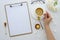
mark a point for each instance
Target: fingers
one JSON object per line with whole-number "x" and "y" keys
{"x": 47, "y": 18}
{"x": 47, "y": 15}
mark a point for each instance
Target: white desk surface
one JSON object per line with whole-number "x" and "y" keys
{"x": 37, "y": 34}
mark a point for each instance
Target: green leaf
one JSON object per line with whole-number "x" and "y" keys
{"x": 55, "y": 3}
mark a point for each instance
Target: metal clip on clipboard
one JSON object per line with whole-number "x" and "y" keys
{"x": 21, "y": 4}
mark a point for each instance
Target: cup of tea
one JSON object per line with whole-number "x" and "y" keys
{"x": 39, "y": 12}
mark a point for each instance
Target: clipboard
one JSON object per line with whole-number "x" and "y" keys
{"x": 18, "y": 18}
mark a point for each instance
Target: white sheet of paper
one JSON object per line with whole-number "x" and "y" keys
{"x": 18, "y": 19}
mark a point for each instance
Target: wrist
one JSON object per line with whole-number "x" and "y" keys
{"x": 46, "y": 25}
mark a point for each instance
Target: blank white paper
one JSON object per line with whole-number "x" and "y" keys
{"x": 18, "y": 19}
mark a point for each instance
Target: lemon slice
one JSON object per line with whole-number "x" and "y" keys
{"x": 37, "y": 26}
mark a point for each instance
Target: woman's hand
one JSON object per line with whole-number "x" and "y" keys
{"x": 47, "y": 18}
